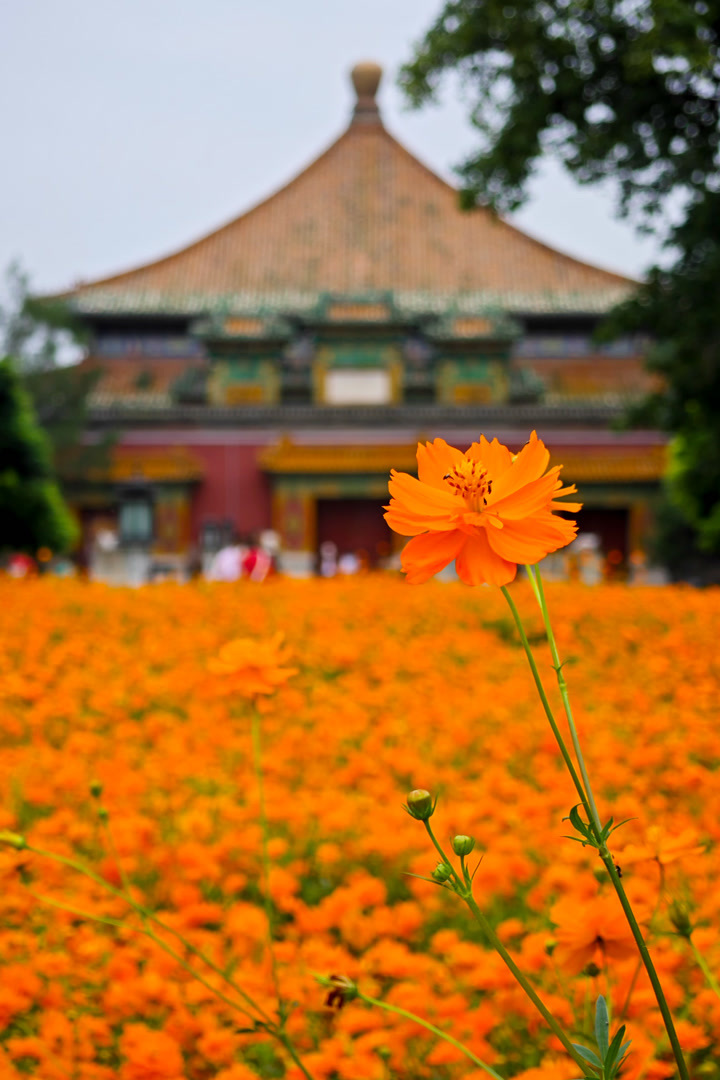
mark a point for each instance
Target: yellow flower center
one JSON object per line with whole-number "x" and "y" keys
{"x": 470, "y": 479}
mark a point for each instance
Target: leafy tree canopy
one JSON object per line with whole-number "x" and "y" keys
{"x": 627, "y": 90}
{"x": 32, "y": 511}
{"x": 43, "y": 338}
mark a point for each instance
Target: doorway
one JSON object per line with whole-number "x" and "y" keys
{"x": 355, "y": 526}
{"x": 610, "y": 525}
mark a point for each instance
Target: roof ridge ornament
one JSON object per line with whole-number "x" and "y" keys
{"x": 366, "y": 77}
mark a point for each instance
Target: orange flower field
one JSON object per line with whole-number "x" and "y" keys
{"x": 126, "y": 747}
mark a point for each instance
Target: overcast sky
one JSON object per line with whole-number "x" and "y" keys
{"x": 130, "y": 128}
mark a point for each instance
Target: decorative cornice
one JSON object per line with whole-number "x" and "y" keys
{"x": 427, "y": 417}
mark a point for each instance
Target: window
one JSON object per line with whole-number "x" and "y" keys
{"x": 363, "y": 386}
{"x": 136, "y": 522}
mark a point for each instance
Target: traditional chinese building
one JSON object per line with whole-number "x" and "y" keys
{"x": 270, "y": 374}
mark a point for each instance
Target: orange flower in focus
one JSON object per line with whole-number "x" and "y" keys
{"x": 255, "y": 667}
{"x": 487, "y": 508}
{"x": 590, "y": 931}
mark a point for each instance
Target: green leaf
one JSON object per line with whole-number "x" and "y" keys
{"x": 602, "y": 1026}
{"x": 589, "y": 1055}
{"x": 613, "y": 1052}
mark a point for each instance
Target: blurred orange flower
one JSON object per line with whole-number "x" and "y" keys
{"x": 662, "y": 847}
{"x": 488, "y": 509}
{"x": 255, "y": 667}
{"x": 590, "y": 931}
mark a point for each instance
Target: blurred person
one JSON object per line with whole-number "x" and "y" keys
{"x": 21, "y": 565}
{"x": 227, "y": 565}
{"x": 328, "y": 559}
{"x": 256, "y": 563}
{"x": 348, "y": 563}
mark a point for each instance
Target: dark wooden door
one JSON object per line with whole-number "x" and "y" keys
{"x": 355, "y": 525}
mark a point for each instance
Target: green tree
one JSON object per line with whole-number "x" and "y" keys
{"x": 627, "y": 90}
{"x": 44, "y": 340}
{"x": 32, "y": 511}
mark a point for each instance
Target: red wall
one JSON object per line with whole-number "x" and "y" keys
{"x": 234, "y": 489}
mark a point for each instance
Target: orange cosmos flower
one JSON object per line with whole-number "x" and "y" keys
{"x": 487, "y": 508}
{"x": 255, "y": 667}
{"x": 662, "y": 847}
{"x": 590, "y": 931}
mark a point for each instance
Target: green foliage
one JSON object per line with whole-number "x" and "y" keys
{"x": 42, "y": 336}
{"x": 628, "y": 91}
{"x": 32, "y": 512}
{"x": 682, "y": 308}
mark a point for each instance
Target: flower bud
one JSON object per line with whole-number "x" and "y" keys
{"x": 591, "y": 969}
{"x": 96, "y": 789}
{"x": 463, "y": 845}
{"x": 12, "y": 839}
{"x": 342, "y": 990}
{"x": 420, "y": 804}
{"x": 103, "y": 813}
{"x": 441, "y": 872}
{"x": 680, "y": 919}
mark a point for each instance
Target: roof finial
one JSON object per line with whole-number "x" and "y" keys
{"x": 366, "y": 78}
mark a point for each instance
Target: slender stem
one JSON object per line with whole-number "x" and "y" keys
{"x": 144, "y": 929}
{"x": 194, "y": 972}
{"x": 430, "y": 1027}
{"x": 647, "y": 961}
{"x": 534, "y": 574}
{"x": 703, "y": 965}
{"x": 112, "y": 848}
{"x": 590, "y": 809}
{"x": 285, "y": 1040}
{"x": 546, "y": 704}
{"x": 146, "y": 914}
{"x": 465, "y": 894}
{"x": 638, "y": 969}
{"x": 441, "y": 853}
{"x": 258, "y": 766}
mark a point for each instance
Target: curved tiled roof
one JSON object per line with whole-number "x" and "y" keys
{"x": 365, "y": 216}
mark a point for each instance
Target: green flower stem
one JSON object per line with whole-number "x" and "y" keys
{"x": 703, "y": 965}
{"x": 536, "y": 581}
{"x": 260, "y": 779}
{"x": 465, "y": 893}
{"x": 590, "y": 808}
{"x": 112, "y": 848}
{"x": 638, "y": 969}
{"x": 546, "y": 704}
{"x": 430, "y": 1027}
{"x": 144, "y": 929}
{"x": 647, "y": 961}
{"x": 144, "y": 913}
{"x": 147, "y": 917}
{"x": 284, "y": 1038}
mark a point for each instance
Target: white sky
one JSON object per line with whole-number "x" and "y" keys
{"x": 130, "y": 128}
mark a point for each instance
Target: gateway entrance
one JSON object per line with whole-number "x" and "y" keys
{"x": 355, "y": 526}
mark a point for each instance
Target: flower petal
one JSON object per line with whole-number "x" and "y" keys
{"x": 478, "y": 564}
{"x": 416, "y": 507}
{"x": 435, "y": 460}
{"x": 416, "y": 495}
{"x": 494, "y": 455}
{"x": 424, "y": 556}
{"x": 526, "y": 500}
{"x": 529, "y": 541}
{"x": 529, "y": 465}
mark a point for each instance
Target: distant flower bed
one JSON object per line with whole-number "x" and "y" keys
{"x": 132, "y": 703}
